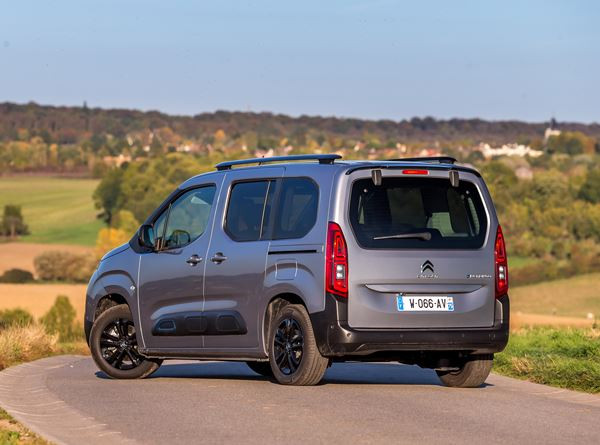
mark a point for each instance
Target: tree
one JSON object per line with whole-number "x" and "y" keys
{"x": 12, "y": 222}
{"x": 60, "y": 319}
{"x": 108, "y": 239}
{"x": 571, "y": 142}
{"x": 107, "y": 194}
{"x": 125, "y": 221}
{"x": 590, "y": 189}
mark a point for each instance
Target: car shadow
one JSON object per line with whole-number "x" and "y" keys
{"x": 337, "y": 374}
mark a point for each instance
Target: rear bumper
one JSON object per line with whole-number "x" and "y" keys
{"x": 336, "y": 339}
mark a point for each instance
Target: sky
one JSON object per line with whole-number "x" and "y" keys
{"x": 374, "y": 59}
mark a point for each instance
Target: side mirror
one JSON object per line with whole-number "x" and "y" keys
{"x": 146, "y": 236}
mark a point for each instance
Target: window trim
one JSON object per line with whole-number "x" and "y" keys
{"x": 167, "y": 208}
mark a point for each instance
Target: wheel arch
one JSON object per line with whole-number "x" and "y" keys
{"x": 102, "y": 304}
{"x": 273, "y": 305}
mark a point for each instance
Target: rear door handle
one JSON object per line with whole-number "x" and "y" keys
{"x": 193, "y": 260}
{"x": 218, "y": 258}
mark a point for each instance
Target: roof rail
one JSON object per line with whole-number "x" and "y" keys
{"x": 322, "y": 158}
{"x": 438, "y": 159}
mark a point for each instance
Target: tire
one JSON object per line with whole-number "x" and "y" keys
{"x": 262, "y": 368}
{"x": 293, "y": 353}
{"x": 472, "y": 374}
{"x": 113, "y": 344}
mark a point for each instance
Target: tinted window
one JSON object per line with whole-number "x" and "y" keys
{"x": 425, "y": 213}
{"x": 246, "y": 210}
{"x": 187, "y": 217}
{"x": 297, "y": 208}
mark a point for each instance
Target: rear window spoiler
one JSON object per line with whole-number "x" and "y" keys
{"x": 425, "y": 165}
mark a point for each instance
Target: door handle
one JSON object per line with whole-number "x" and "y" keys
{"x": 193, "y": 260}
{"x": 218, "y": 258}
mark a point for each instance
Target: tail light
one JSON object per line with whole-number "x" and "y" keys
{"x": 336, "y": 264}
{"x": 501, "y": 264}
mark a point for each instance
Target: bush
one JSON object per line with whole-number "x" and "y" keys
{"x": 15, "y": 317}
{"x": 25, "y": 343}
{"x": 60, "y": 319}
{"x": 12, "y": 222}
{"x": 63, "y": 266}
{"x": 16, "y": 276}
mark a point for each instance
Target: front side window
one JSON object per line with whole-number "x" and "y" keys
{"x": 296, "y": 209}
{"x": 423, "y": 213}
{"x": 248, "y": 210}
{"x": 186, "y": 218}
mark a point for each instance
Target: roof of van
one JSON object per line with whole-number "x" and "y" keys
{"x": 432, "y": 163}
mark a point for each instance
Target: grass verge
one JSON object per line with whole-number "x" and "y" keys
{"x": 567, "y": 358}
{"x": 20, "y": 344}
{"x": 13, "y": 433}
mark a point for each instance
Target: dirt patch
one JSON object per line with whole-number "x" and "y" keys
{"x": 519, "y": 320}
{"x": 38, "y": 298}
{"x": 21, "y": 255}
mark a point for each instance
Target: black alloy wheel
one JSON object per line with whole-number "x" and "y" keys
{"x": 294, "y": 356}
{"x": 114, "y": 346}
{"x": 288, "y": 346}
{"x": 119, "y": 345}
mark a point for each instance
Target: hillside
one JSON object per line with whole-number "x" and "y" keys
{"x": 65, "y": 125}
{"x": 57, "y": 210}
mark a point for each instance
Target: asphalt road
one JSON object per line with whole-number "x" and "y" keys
{"x": 69, "y": 401}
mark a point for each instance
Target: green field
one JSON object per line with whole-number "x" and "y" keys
{"x": 515, "y": 262}
{"x": 564, "y": 358}
{"x": 570, "y": 297}
{"x": 57, "y": 210}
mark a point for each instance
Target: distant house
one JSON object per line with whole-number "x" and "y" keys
{"x": 551, "y": 130}
{"x": 508, "y": 150}
{"x": 116, "y": 161}
{"x": 524, "y": 172}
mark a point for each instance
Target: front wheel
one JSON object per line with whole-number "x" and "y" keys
{"x": 471, "y": 374}
{"x": 114, "y": 347}
{"x": 293, "y": 353}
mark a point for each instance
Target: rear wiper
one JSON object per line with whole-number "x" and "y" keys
{"x": 419, "y": 235}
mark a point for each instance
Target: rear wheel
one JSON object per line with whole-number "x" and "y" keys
{"x": 471, "y": 374}
{"x": 262, "y": 368}
{"x": 114, "y": 346}
{"x": 293, "y": 353}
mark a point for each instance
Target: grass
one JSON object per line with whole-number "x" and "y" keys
{"x": 563, "y": 358}
{"x": 19, "y": 344}
{"x": 57, "y": 210}
{"x": 570, "y": 297}
{"x": 13, "y": 433}
{"x": 516, "y": 262}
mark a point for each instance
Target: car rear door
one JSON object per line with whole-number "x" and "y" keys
{"x": 416, "y": 235}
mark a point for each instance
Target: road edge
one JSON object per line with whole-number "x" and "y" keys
{"x": 25, "y": 396}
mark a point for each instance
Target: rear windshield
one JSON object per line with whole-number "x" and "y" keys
{"x": 417, "y": 213}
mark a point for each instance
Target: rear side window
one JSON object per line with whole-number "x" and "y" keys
{"x": 297, "y": 207}
{"x": 247, "y": 210}
{"x": 417, "y": 213}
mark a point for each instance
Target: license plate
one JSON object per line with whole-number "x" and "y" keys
{"x": 425, "y": 303}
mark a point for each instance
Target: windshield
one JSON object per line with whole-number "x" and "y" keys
{"x": 417, "y": 213}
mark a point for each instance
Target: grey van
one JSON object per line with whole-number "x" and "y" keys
{"x": 301, "y": 261}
